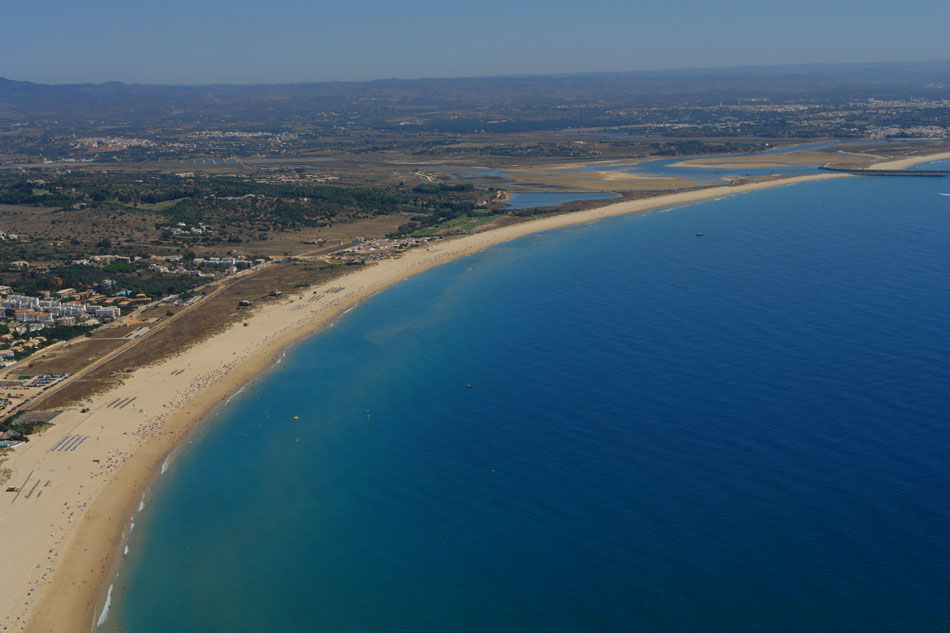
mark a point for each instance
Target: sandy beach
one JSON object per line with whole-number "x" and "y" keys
{"x": 79, "y": 497}
{"x": 904, "y": 163}
{"x": 758, "y": 161}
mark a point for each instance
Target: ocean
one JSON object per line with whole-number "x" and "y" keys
{"x": 621, "y": 426}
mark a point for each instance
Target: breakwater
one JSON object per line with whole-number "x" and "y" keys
{"x": 917, "y": 173}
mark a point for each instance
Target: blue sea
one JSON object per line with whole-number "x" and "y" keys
{"x": 616, "y": 427}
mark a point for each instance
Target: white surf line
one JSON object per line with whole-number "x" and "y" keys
{"x": 105, "y": 607}
{"x": 232, "y": 397}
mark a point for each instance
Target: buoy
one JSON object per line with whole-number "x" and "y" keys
{"x": 296, "y": 417}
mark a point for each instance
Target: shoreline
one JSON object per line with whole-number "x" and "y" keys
{"x": 70, "y": 598}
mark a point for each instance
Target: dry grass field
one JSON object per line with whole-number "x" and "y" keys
{"x": 205, "y": 319}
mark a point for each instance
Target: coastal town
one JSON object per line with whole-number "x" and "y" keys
{"x": 45, "y": 320}
{"x": 26, "y": 316}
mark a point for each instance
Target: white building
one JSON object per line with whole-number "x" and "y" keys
{"x": 74, "y": 308}
{"x": 108, "y": 312}
{"x": 20, "y": 302}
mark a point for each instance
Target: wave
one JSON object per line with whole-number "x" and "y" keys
{"x": 165, "y": 464}
{"x": 105, "y": 607}
{"x": 233, "y": 396}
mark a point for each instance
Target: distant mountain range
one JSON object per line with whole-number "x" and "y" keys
{"x": 835, "y": 83}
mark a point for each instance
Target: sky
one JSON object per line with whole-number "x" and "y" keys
{"x": 279, "y": 41}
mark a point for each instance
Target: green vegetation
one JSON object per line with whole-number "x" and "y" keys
{"x": 462, "y": 223}
{"x": 10, "y": 424}
{"x": 239, "y": 210}
{"x": 159, "y": 206}
{"x": 477, "y": 222}
{"x": 119, "y": 267}
{"x": 139, "y": 281}
{"x": 62, "y": 333}
{"x": 696, "y": 147}
{"x": 437, "y": 188}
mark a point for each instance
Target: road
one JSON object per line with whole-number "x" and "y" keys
{"x": 124, "y": 348}
{"x": 325, "y": 250}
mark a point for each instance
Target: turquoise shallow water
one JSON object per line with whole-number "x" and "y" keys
{"x": 745, "y": 431}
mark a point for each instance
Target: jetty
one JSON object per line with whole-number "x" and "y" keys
{"x": 914, "y": 173}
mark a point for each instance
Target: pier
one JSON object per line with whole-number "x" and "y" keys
{"x": 916, "y": 173}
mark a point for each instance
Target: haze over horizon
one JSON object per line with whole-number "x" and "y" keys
{"x": 593, "y": 73}
{"x": 290, "y": 41}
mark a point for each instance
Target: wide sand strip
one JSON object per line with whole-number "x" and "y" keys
{"x": 904, "y": 163}
{"x": 83, "y": 480}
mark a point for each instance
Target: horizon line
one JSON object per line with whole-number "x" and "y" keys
{"x": 595, "y": 73}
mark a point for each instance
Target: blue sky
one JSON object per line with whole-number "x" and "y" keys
{"x": 238, "y": 41}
